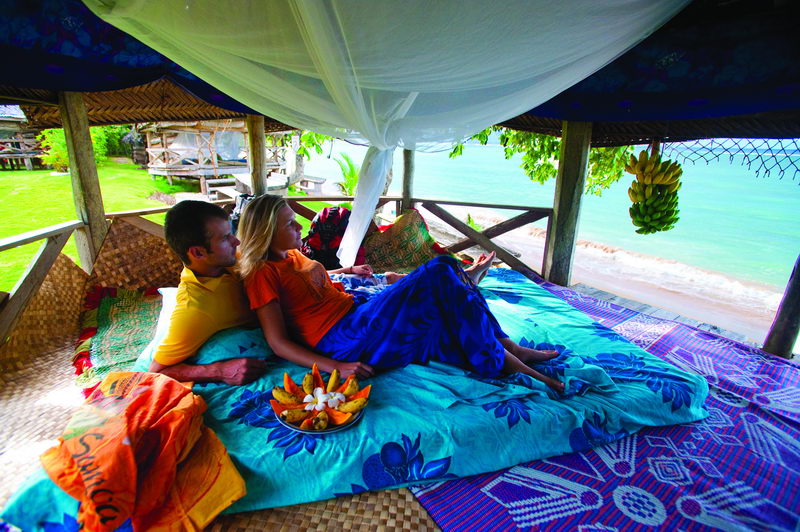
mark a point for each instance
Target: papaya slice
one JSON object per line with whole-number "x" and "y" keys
{"x": 343, "y": 387}
{"x": 291, "y": 387}
{"x": 308, "y": 423}
{"x": 278, "y": 407}
{"x": 363, "y": 392}
{"x": 318, "y": 382}
{"x": 337, "y": 418}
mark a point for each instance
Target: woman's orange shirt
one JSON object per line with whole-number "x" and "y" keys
{"x": 311, "y": 304}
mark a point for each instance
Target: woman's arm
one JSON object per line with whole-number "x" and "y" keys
{"x": 274, "y": 328}
{"x": 361, "y": 269}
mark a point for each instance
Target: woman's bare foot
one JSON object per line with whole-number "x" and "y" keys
{"x": 526, "y": 354}
{"x": 512, "y": 364}
{"x": 555, "y": 384}
{"x": 478, "y": 269}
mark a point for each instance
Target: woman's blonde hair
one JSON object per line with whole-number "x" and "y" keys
{"x": 256, "y": 227}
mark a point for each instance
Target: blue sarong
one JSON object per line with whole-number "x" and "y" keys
{"x": 434, "y": 313}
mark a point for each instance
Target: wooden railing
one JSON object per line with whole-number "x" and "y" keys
{"x": 472, "y": 237}
{"x": 783, "y": 332}
{"x": 54, "y": 238}
{"x": 13, "y": 303}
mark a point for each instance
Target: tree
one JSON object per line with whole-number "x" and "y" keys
{"x": 540, "y": 157}
{"x": 54, "y": 143}
{"x": 350, "y": 172}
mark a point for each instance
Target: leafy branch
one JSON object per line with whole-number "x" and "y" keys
{"x": 540, "y": 157}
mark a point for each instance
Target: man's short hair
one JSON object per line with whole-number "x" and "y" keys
{"x": 185, "y": 225}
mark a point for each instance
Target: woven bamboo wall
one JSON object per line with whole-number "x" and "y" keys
{"x": 133, "y": 259}
{"x": 129, "y": 258}
{"x": 51, "y": 319}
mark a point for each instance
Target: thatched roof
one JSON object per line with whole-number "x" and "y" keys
{"x": 153, "y": 102}
{"x": 720, "y": 68}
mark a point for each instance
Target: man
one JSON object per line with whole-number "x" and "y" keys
{"x": 210, "y": 297}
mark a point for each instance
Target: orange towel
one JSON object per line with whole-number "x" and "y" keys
{"x": 137, "y": 448}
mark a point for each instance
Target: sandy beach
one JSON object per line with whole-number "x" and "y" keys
{"x": 738, "y": 306}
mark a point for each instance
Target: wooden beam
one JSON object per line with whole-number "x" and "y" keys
{"x": 785, "y": 328}
{"x": 257, "y": 153}
{"x": 382, "y": 199}
{"x": 39, "y": 234}
{"x": 301, "y": 209}
{"x": 499, "y": 229}
{"x": 146, "y": 225}
{"x": 309, "y": 214}
{"x": 572, "y": 166}
{"x": 155, "y": 210}
{"x": 30, "y": 282}
{"x": 483, "y": 241}
{"x": 408, "y": 181}
{"x": 545, "y": 210}
{"x": 85, "y": 184}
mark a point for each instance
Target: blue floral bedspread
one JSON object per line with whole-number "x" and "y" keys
{"x": 436, "y": 422}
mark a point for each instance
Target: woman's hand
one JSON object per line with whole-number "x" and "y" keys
{"x": 359, "y": 369}
{"x": 362, "y": 269}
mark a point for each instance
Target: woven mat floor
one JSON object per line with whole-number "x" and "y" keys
{"x": 36, "y": 403}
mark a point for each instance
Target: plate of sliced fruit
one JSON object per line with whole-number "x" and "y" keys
{"x": 319, "y": 407}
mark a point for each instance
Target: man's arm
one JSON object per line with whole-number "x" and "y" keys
{"x": 188, "y": 331}
{"x": 236, "y": 371}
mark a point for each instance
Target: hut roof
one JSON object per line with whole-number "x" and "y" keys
{"x": 55, "y": 45}
{"x": 720, "y": 68}
{"x": 156, "y": 101}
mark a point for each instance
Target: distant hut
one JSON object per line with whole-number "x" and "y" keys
{"x": 18, "y": 144}
{"x": 215, "y": 152}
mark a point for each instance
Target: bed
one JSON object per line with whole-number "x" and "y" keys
{"x": 431, "y": 424}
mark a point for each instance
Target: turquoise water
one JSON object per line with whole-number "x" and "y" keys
{"x": 731, "y": 221}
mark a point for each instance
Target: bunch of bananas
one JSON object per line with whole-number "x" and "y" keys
{"x": 654, "y": 192}
{"x": 316, "y": 405}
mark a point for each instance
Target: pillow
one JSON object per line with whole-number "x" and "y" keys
{"x": 168, "y": 300}
{"x": 115, "y": 326}
{"x": 402, "y": 247}
{"x": 236, "y": 342}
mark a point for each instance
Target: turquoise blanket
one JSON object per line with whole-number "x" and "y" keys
{"x": 435, "y": 422}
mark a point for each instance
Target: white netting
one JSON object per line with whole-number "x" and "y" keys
{"x": 389, "y": 73}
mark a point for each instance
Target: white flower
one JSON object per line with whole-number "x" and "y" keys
{"x": 334, "y": 402}
{"x": 319, "y": 406}
{"x": 308, "y": 399}
{"x": 309, "y": 406}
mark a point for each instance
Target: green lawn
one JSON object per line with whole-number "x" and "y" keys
{"x": 34, "y": 200}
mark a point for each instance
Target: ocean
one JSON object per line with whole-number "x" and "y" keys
{"x": 731, "y": 221}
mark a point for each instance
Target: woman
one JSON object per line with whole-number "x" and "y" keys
{"x": 434, "y": 313}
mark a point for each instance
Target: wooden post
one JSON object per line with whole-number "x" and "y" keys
{"x": 562, "y": 232}
{"x": 85, "y": 183}
{"x": 783, "y": 334}
{"x": 408, "y": 181}
{"x": 257, "y": 153}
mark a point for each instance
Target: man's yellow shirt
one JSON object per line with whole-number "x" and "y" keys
{"x": 204, "y": 306}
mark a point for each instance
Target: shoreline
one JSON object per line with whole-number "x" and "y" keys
{"x": 743, "y": 307}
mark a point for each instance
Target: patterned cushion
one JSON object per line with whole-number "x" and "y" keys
{"x": 117, "y": 324}
{"x": 402, "y": 247}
